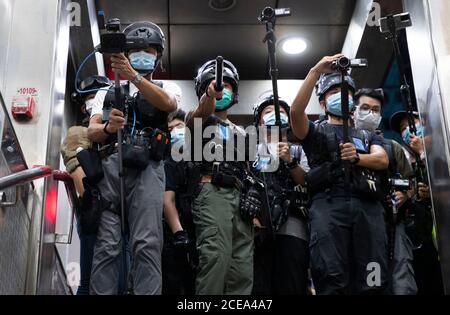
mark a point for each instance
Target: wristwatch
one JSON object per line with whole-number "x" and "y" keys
{"x": 137, "y": 79}
{"x": 293, "y": 164}
{"x": 356, "y": 160}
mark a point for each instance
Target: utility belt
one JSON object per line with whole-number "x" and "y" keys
{"x": 140, "y": 147}
{"x": 364, "y": 183}
{"x": 221, "y": 174}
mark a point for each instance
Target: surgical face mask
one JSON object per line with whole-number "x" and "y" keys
{"x": 269, "y": 119}
{"x": 226, "y": 100}
{"x": 177, "y": 135}
{"x": 334, "y": 104}
{"x": 143, "y": 62}
{"x": 368, "y": 121}
{"x": 406, "y": 134}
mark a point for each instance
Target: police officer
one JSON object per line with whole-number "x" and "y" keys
{"x": 420, "y": 225}
{"x": 77, "y": 138}
{"x": 178, "y": 258}
{"x": 348, "y": 236}
{"x": 367, "y": 115}
{"x": 224, "y": 239}
{"x": 144, "y": 121}
{"x": 281, "y": 263}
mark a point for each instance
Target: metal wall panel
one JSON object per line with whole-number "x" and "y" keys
{"x": 424, "y": 39}
{"x": 5, "y": 31}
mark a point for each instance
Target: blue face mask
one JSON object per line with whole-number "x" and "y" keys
{"x": 176, "y": 135}
{"x": 269, "y": 119}
{"x": 226, "y": 100}
{"x": 143, "y": 62}
{"x": 334, "y": 105}
{"x": 406, "y": 134}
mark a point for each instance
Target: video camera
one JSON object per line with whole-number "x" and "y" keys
{"x": 398, "y": 184}
{"x": 114, "y": 41}
{"x": 344, "y": 64}
{"x": 269, "y": 14}
{"x": 393, "y": 23}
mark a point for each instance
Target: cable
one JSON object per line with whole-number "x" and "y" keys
{"x": 134, "y": 122}
{"x": 78, "y": 75}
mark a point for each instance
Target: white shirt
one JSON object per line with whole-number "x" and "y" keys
{"x": 96, "y": 107}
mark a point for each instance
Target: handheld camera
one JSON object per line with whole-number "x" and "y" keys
{"x": 394, "y": 23}
{"x": 345, "y": 64}
{"x": 398, "y": 184}
{"x": 114, "y": 41}
{"x": 269, "y": 14}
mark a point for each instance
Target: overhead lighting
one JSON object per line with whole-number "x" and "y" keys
{"x": 221, "y": 5}
{"x": 294, "y": 46}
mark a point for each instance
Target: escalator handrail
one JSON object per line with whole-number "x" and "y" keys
{"x": 25, "y": 176}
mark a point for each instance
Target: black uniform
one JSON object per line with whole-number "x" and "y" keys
{"x": 348, "y": 237}
{"x": 178, "y": 265}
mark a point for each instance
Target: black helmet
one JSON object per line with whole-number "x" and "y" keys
{"x": 207, "y": 73}
{"x": 330, "y": 80}
{"x": 94, "y": 82}
{"x": 91, "y": 83}
{"x": 265, "y": 101}
{"x": 148, "y": 30}
{"x": 397, "y": 117}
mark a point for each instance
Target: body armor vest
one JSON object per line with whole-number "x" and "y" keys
{"x": 140, "y": 113}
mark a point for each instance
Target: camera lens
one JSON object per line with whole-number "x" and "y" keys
{"x": 344, "y": 62}
{"x": 268, "y": 12}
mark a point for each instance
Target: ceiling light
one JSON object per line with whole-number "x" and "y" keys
{"x": 294, "y": 46}
{"x": 221, "y": 5}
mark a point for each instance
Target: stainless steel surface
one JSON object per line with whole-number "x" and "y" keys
{"x": 15, "y": 220}
{"x": 356, "y": 28}
{"x": 25, "y": 176}
{"x": 47, "y": 261}
{"x": 429, "y": 90}
{"x": 73, "y": 204}
{"x": 5, "y": 32}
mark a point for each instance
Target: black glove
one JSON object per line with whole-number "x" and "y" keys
{"x": 250, "y": 204}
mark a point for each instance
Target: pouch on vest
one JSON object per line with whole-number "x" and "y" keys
{"x": 159, "y": 145}
{"x": 91, "y": 209}
{"x": 91, "y": 164}
{"x": 320, "y": 178}
{"x": 367, "y": 184}
{"x": 136, "y": 153}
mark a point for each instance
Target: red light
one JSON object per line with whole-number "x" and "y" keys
{"x": 51, "y": 202}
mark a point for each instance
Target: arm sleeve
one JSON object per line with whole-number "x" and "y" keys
{"x": 97, "y": 106}
{"x": 403, "y": 164}
{"x": 307, "y": 143}
{"x": 170, "y": 170}
{"x": 173, "y": 89}
{"x": 375, "y": 139}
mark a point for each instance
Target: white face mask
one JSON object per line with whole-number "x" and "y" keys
{"x": 368, "y": 121}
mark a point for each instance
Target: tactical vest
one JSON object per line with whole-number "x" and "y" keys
{"x": 140, "y": 113}
{"x": 326, "y": 144}
{"x": 216, "y": 143}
